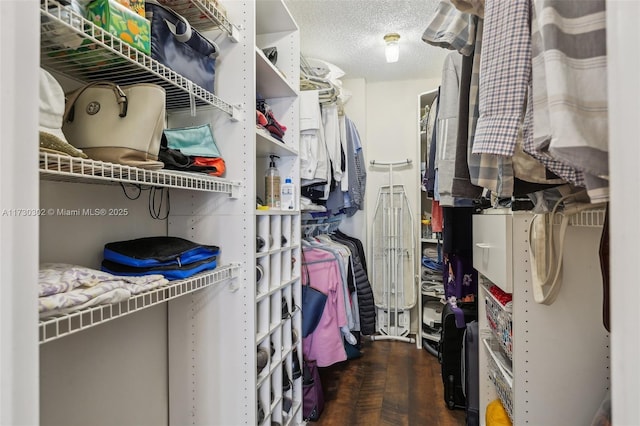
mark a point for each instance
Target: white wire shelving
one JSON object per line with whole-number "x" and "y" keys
{"x": 55, "y": 328}
{"x": 500, "y": 374}
{"x": 203, "y": 15}
{"x": 75, "y": 47}
{"x": 499, "y": 318}
{"x": 592, "y": 218}
{"x": 73, "y": 169}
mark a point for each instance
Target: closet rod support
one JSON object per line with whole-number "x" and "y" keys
{"x": 390, "y": 163}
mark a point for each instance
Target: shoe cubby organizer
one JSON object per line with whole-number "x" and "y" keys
{"x": 278, "y": 315}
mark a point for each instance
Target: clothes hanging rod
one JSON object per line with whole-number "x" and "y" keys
{"x": 390, "y": 163}
{"x": 316, "y": 225}
{"x": 313, "y": 262}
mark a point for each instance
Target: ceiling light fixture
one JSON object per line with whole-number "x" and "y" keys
{"x": 392, "y": 48}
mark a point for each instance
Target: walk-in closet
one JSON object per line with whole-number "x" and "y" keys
{"x": 426, "y": 220}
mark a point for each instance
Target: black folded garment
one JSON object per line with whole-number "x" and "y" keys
{"x": 173, "y": 257}
{"x": 173, "y": 159}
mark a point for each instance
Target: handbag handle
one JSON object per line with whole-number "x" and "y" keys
{"x": 121, "y": 99}
{"x": 183, "y": 37}
{"x": 552, "y": 280}
{"x": 188, "y": 32}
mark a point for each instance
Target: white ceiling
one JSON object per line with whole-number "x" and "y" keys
{"x": 349, "y": 34}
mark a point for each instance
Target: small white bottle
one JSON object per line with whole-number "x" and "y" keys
{"x": 288, "y": 195}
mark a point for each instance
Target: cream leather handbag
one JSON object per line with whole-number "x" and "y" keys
{"x": 117, "y": 124}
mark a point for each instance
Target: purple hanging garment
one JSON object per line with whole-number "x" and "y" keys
{"x": 459, "y": 277}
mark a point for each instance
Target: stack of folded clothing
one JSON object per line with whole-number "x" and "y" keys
{"x": 501, "y": 296}
{"x": 431, "y": 271}
{"x": 64, "y": 288}
{"x": 191, "y": 149}
{"x": 172, "y": 257}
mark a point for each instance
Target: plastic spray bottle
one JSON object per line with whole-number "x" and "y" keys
{"x": 272, "y": 184}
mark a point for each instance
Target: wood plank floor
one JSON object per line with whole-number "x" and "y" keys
{"x": 393, "y": 384}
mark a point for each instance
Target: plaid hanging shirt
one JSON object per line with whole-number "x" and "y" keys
{"x": 475, "y": 7}
{"x": 451, "y": 29}
{"x": 504, "y": 76}
{"x": 570, "y": 106}
{"x": 493, "y": 172}
{"x": 505, "y": 85}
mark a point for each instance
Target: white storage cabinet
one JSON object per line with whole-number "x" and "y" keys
{"x": 549, "y": 365}
{"x": 278, "y": 294}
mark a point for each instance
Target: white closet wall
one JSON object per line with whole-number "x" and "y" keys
{"x": 624, "y": 128}
{"x": 122, "y": 363}
{"x": 18, "y": 235}
{"x": 391, "y": 134}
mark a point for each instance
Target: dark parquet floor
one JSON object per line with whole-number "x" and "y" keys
{"x": 392, "y": 384}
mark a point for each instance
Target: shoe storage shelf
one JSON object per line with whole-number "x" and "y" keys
{"x": 547, "y": 364}
{"x": 278, "y": 316}
{"x": 431, "y": 295}
{"x": 278, "y": 293}
{"x": 432, "y": 300}
{"x": 192, "y": 347}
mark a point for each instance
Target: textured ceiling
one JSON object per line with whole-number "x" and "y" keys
{"x": 349, "y": 34}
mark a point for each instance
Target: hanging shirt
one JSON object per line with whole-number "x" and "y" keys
{"x": 570, "y": 87}
{"x": 504, "y": 76}
{"x": 325, "y": 344}
{"x": 475, "y": 7}
{"x": 354, "y": 198}
{"x": 430, "y": 181}
{"x": 450, "y": 29}
{"x": 314, "y": 165}
{"x": 505, "y": 73}
{"x": 344, "y": 183}
{"x": 447, "y": 127}
{"x": 332, "y": 139}
{"x": 342, "y": 256}
{"x": 461, "y": 185}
